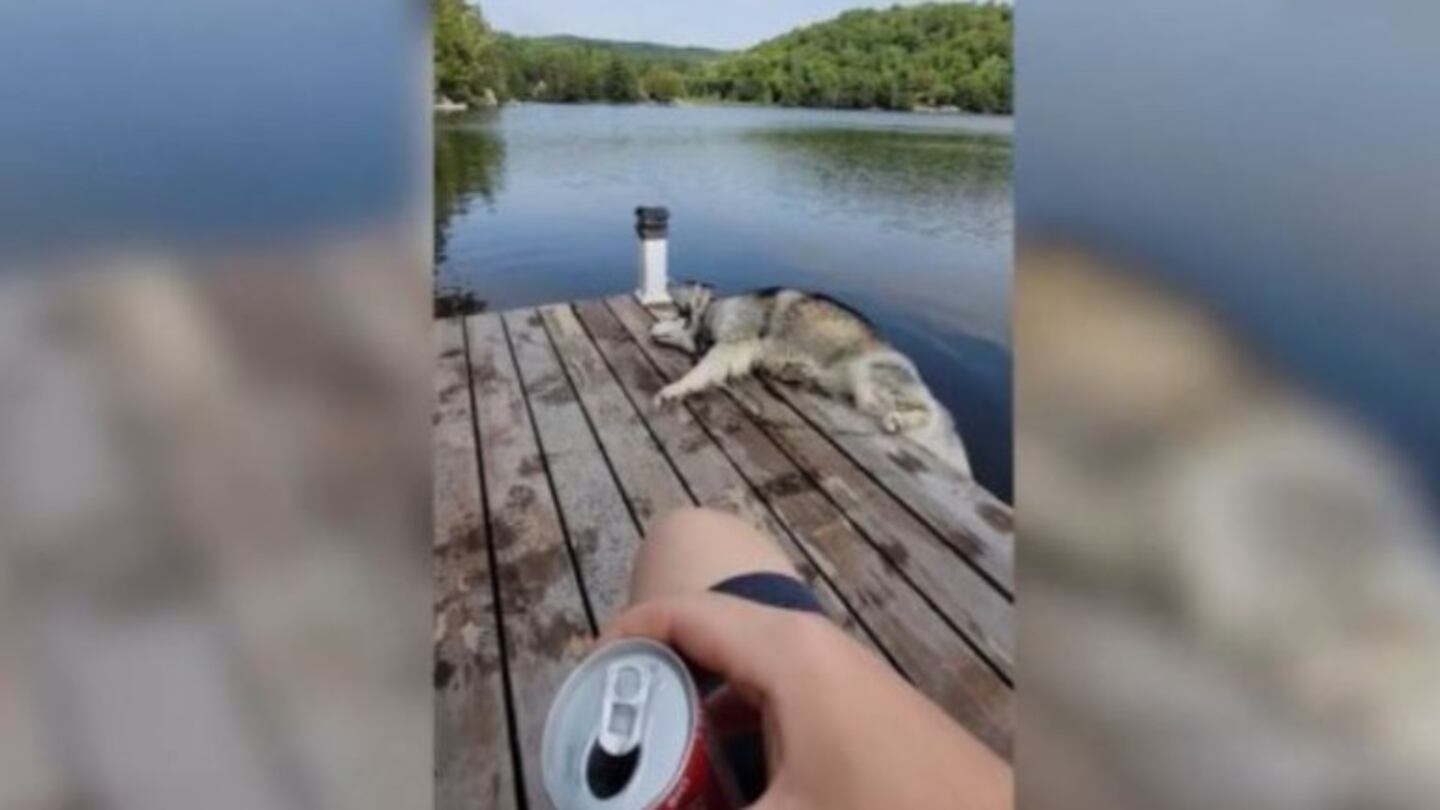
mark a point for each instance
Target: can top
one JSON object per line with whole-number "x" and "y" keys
{"x": 625, "y": 706}
{"x": 620, "y": 729}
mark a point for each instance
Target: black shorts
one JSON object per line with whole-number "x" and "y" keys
{"x": 772, "y": 589}
{"x": 745, "y": 753}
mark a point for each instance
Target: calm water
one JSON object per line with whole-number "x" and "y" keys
{"x": 907, "y": 217}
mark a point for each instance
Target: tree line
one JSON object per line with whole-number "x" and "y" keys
{"x": 934, "y": 55}
{"x": 938, "y": 55}
{"x": 576, "y": 70}
{"x": 468, "y": 65}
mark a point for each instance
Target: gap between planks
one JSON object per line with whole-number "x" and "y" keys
{"x": 653, "y": 461}
{"x": 969, "y": 602}
{"x": 680, "y": 443}
{"x": 940, "y": 661}
{"x": 474, "y": 764}
{"x": 544, "y": 620}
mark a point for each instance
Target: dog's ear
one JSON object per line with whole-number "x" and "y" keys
{"x": 701, "y": 301}
{"x": 673, "y": 332}
{"x": 691, "y": 298}
{"x": 680, "y": 294}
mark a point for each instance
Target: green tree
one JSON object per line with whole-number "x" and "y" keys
{"x": 620, "y": 84}
{"x": 467, "y": 53}
{"x": 663, "y": 84}
{"x": 898, "y": 58}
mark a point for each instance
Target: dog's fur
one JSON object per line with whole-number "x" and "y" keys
{"x": 809, "y": 339}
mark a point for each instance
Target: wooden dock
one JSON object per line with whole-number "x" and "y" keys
{"x": 551, "y": 461}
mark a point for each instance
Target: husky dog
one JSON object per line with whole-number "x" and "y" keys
{"x": 808, "y": 339}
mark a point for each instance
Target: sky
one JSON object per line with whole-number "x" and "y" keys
{"x": 715, "y": 24}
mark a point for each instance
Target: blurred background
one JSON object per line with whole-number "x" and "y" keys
{"x": 1227, "y": 449}
{"x": 214, "y": 371}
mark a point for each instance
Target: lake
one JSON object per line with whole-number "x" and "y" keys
{"x": 907, "y": 217}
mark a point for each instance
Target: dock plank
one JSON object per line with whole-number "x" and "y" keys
{"x": 601, "y": 532}
{"x": 968, "y": 517}
{"x": 545, "y": 622}
{"x": 972, "y": 603}
{"x": 705, "y": 469}
{"x": 936, "y": 658}
{"x": 650, "y": 485}
{"x": 472, "y": 742}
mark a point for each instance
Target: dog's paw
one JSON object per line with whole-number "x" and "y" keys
{"x": 669, "y": 395}
{"x": 793, "y": 374}
{"x": 901, "y": 421}
{"x": 671, "y": 333}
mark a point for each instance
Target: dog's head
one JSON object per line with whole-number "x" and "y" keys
{"x": 691, "y": 299}
{"x": 686, "y": 330}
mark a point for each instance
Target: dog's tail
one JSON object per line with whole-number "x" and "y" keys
{"x": 889, "y": 381}
{"x": 938, "y": 436}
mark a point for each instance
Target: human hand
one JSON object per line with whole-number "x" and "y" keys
{"x": 842, "y": 730}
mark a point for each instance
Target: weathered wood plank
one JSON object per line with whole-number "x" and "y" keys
{"x": 602, "y": 534}
{"x": 937, "y": 659}
{"x": 971, "y": 602}
{"x": 472, "y": 741}
{"x": 968, "y": 517}
{"x": 650, "y": 485}
{"x": 705, "y": 469}
{"x": 544, "y": 619}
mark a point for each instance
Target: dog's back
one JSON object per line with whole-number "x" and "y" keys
{"x": 839, "y": 350}
{"x": 820, "y": 328}
{"x": 816, "y": 340}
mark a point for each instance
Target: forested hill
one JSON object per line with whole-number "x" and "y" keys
{"x": 575, "y": 69}
{"x": 933, "y": 55}
{"x": 638, "y": 50}
{"x": 938, "y": 55}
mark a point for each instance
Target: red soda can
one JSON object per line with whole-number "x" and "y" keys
{"x": 627, "y": 731}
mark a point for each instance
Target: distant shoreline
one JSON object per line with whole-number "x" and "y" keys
{"x": 718, "y": 102}
{"x": 927, "y": 112}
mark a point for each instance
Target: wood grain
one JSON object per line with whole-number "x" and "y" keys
{"x": 968, "y": 517}
{"x": 601, "y": 532}
{"x": 651, "y": 486}
{"x": 936, "y": 658}
{"x": 705, "y": 469}
{"x": 472, "y": 742}
{"x": 547, "y": 630}
{"x": 971, "y": 602}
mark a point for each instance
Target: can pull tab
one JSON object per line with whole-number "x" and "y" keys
{"x": 622, "y": 716}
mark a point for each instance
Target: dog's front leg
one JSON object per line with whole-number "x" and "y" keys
{"x": 718, "y": 365}
{"x": 710, "y": 371}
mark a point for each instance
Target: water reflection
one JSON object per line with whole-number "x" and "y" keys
{"x": 469, "y": 165}
{"x": 922, "y": 176}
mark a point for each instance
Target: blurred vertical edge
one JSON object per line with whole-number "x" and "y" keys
{"x": 214, "y": 369}
{"x": 1227, "y": 437}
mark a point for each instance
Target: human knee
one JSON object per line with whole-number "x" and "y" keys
{"x": 699, "y": 533}
{"x": 692, "y": 549}
{"x": 685, "y": 526}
